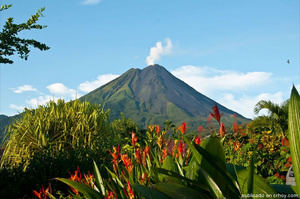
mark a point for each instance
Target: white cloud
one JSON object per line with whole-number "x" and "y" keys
{"x": 298, "y": 87}
{"x": 158, "y": 51}
{"x": 245, "y": 104}
{"x": 208, "y": 79}
{"x": 24, "y": 88}
{"x": 59, "y": 89}
{"x": 16, "y": 107}
{"x": 88, "y": 86}
{"x": 41, "y": 100}
{"x": 91, "y": 2}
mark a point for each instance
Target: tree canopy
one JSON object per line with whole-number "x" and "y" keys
{"x": 11, "y": 43}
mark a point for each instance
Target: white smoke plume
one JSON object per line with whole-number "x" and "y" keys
{"x": 158, "y": 51}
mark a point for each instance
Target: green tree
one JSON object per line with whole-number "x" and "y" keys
{"x": 277, "y": 118}
{"x": 11, "y": 43}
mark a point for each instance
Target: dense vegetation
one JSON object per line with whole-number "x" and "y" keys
{"x": 159, "y": 162}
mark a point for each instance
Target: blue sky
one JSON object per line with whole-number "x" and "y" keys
{"x": 235, "y": 52}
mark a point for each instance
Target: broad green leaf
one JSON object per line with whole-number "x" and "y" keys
{"x": 148, "y": 193}
{"x": 179, "y": 191}
{"x": 170, "y": 165}
{"x": 88, "y": 192}
{"x": 259, "y": 184}
{"x": 186, "y": 180}
{"x": 98, "y": 179}
{"x": 294, "y": 134}
{"x": 231, "y": 186}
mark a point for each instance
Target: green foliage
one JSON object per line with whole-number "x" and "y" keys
{"x": 276, "y": 121}
{"x": 294, "y": 134}
{"x": 57, "y": 127}
{"x": 11, "y": 44}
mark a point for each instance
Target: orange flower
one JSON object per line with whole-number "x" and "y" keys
{"x": 197, "y": 140}
{"x": 164, "y": 153}
{"x": 237, "y": 145}
{"x": 133, "y": 139}
{"x": 216, "y": 113}
{"x": 182, "y": 128}
{"x": 115, "y": 154}
{"x": 77, "y": 176}
{"x": 157, "y": 130}
{"x": 127, "y": 162}
{"x": 89, "y": 179}
{"x": 222, "y": 130}
{"x": 43, "y": 193}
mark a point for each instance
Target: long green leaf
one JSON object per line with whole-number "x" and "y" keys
{"x": 215, "y": 190}
{"x": 149, "y": 193}
{"x": 88, "y": 192}
{"x": 250, "y": 177}
{"x": 259, "y": 184}
{"x": 98, "y": 179}
{"x": 294, "y": 134}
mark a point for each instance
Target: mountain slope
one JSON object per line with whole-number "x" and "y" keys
{"x": 153, "y": 95}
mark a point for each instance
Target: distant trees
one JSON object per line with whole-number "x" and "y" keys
{"x": 11, "y": 43}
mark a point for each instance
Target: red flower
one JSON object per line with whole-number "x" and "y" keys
{"x": 111, "y": 195}
{"x": 197, "y": 140}
{"x": 138, "y": 155}
{"x": 282, "y": 177}
{"x": 157, "y": 130}
{"x": 133, "y": 139}
{"x": 277, "y": 175}
{"x": 285, "y": 142}
{"x": 216, "y": 113}
{"x": 182, "y": 128}
{"x": 127, "y": 162}
{"x": 289, "y": 159}
{"x": 235, "y": 127}
{"x": 260, "y": 146}
{"x": 222, "y": 130}
{"x": 144, "y": 177}
{"x": 129, "y": 191}
{"x": 200, "y": 129}
{"x": 288, "y": 165}
{"x": 180, "y": 148}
